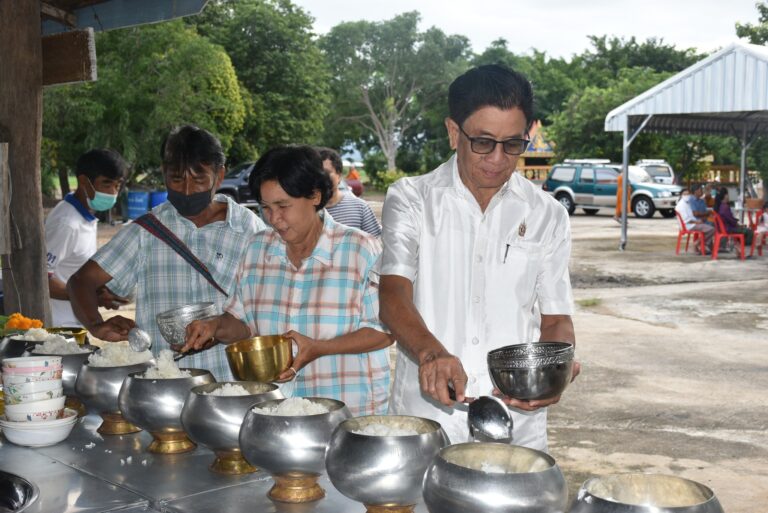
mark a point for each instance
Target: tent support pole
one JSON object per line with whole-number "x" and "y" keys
{"x": 625, "y": 177}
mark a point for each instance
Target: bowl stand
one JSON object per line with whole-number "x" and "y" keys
{"x": 231, "y": 463}
{"x": 296, "y": 487}
{"x": 389, "y": 508}
{"x": 174, "y": 442}
{"x": 115, "y": 424}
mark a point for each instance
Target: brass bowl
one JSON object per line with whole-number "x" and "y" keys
{"x": 259, "y": 358}
{"x": 79, "y": 334}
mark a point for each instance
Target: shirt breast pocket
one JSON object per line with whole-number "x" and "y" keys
{"x": 517, "y": 264}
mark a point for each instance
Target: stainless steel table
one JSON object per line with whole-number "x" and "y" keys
{"x": 89, "y": 473}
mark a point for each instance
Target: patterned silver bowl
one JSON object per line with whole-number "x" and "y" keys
{"x": 530, "y": 372}
{"x": 173, "y": 323}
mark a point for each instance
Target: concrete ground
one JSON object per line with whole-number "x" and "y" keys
{"x": 675, "y": 362}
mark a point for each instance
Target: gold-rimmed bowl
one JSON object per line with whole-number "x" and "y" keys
{"x": 260, "y": 358}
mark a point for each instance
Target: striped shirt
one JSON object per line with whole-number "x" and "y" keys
{"x": 162, "y": 279}
{"x": 334, "y": 292}
{"x": 354, "y": 212}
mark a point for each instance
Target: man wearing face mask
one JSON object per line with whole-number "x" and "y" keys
{"x": 70, "y": 229}
{"x": 187, "y": 251}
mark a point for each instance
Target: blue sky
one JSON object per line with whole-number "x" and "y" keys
{"x": 559, "y": 27}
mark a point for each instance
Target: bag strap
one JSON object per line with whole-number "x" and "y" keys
{"x": 153, "y": 225}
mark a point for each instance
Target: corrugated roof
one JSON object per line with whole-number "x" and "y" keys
{"x": 722, "y": 94}
{"x": 113, "y": 14}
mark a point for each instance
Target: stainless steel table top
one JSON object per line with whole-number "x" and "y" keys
{"x": 88, "y": 473}
{"x": 62, "y": 488}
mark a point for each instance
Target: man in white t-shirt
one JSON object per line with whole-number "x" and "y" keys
{"x": 70, "y": 229}
{"x": 695, "y": 220}
{"x": 475, "y": 258}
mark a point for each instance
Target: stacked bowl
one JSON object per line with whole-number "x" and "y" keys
{"x": 34, "y": 401}
{"x": 532, "y": 372}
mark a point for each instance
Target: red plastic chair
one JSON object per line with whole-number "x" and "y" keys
{"x": 760, "y": 238}
{"x": 697, "y": 234}
{"x": 721, "y": 233}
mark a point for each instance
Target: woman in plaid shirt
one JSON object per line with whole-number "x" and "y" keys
{"x": 314, "y": 280}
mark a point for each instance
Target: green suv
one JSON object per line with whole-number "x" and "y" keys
{"x": 591, "y": 185}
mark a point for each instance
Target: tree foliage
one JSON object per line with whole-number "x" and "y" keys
{"x": 151, "y": 79}
{"x": 278, "y": 61}
{"x": 385, "y": 77}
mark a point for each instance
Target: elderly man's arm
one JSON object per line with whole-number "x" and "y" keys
{"x": 437, "y": 367}
{"x": 83, "y": 289}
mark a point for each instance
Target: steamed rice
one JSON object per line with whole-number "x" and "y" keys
{"x": 165, "y": 368}
{"x": 56, "y": 344}
{"x": 36, "y": 334}
{"x": 379, "y": 429}
{"x": 228, "y": 389}
{"x": 117, "y": 355}
{"x": 293, "y": 406}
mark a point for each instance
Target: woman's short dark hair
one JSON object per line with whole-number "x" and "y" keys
{"x": 491, "y": 85}
{"x": 719, "y": 197}
{"x": 101, "y": 162}
{"x": 297, "y": 168}
{"x": 187, "y": 147}
{"x": 333, "y": 156}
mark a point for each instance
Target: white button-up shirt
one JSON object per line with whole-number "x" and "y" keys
{"x": 481, "y": 279}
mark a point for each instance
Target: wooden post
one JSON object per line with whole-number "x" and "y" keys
{"x": 25, "y": 280}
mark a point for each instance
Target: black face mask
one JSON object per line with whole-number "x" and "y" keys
{"x": 190, "y": 205}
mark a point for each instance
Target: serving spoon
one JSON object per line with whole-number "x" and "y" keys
{"x": 488, "y": 418}
{"x": 138, "y": 340}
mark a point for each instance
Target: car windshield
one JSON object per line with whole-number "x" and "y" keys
{"x": 235, "y": 171}
{"x": 658, "y": 170}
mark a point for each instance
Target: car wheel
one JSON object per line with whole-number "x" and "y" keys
{"x": 566, "y": 201}
{"x": 591, "y": 211}
{"x": 643, "y": 207}
{"x": 668, "y": 212}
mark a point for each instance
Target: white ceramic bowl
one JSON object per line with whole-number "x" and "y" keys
{"x": 32, "y": 388}
{"x": 15, "y": 379}
{"x": 35, "y": 396}
{"x": 30, "y": 435}
{"x": 69, "y": 415}
{"x": 46, "y": 361}
{"x": 35, "y": 411}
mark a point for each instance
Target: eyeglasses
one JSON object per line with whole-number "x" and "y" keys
{"x": 486, "y": 145}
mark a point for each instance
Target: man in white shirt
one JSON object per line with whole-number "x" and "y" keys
{"x": 70, "y": 229}
{"x": 695, "y": 220}
{"x": 475, "y": 258}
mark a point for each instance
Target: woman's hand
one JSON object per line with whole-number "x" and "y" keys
{"x": 308, "y": 350}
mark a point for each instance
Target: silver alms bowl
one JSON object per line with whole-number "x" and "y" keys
{"x": 494, "y": 478}
{"x": 214, "y": 421}
{"x": 644, "y": 493}
{"x": 156, "y": 404}
{"x": 291, "y": 448}
{"x": 536, "y": 371}
{"x": 173, "y": 323}
{"x": 383, "y": 470}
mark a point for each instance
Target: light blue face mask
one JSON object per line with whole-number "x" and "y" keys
{"x": 101, "y": 201}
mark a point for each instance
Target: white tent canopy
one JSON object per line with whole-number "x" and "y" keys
{"x": 724, "y": 94}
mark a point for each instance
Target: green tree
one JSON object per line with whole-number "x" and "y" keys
{"x": 385, "y": 76}
{"x": 151, "y": 79}
{"x": 277, "y": 59}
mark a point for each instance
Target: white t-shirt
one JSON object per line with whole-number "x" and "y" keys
{"x": 480, "y": 280}
{"x": 70, "y": 240}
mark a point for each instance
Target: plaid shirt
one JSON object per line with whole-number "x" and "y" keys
{"x": 335, "y": 291}
{"x": 137, "y": 260}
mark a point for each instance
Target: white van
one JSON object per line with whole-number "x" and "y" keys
{"x": 659, "y": 169}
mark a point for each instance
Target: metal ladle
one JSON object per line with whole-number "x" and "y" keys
{"x": 139, "y": 340}
{"x": 488, "y": 417}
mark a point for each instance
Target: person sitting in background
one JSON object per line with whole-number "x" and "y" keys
{"x": 313, "y": 280}
{"x": 762, "y": 225}
{"x": 346, "y": 209}
{"x": 732, "y": 225}
{"x": 70, "y": 229}
{"x": 692, "y": 221}
{"x": 698, "y": 205}
{"x": 709, "y": 195}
